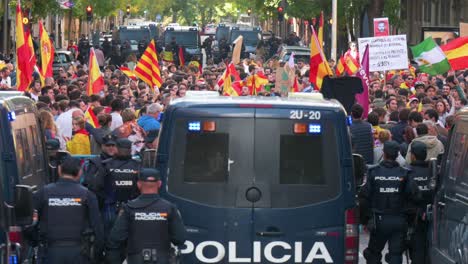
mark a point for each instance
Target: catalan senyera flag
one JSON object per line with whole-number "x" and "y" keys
{"x": 456, "y": 52}
{"x": 319, "y": 67}
{"x": 320, "y": 30}
{"x": 91, "y": 118}
{"x": 95, "y": 79}
{"x": 47, "y": 52}
{"x": 181, "y": 56}
{"x": 340, "y": 67}
{"x": 147, "y": 68}
{"x": 23, "y": 54}
{"x": 130, "y": 74}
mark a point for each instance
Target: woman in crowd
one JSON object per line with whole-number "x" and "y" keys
{"x": 79, "y": 144}
{"x": 385, "y": 136}
{"x": 48, "y": 125}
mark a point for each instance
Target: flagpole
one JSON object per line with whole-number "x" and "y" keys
{"x": 5, "y": 26}
{"x": 334, "y": 28}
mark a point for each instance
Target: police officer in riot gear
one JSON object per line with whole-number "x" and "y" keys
{"x": 147, "y": 225}
{"x": 418, "y": 224}
{"x": 94, "y": 169}
{"x": 383, "y": 197}
{"x": 119, "y": 183}
{"x": 83, "y": 49}
{"x": 142, "y": 44}
{"x": 66, "y": 211}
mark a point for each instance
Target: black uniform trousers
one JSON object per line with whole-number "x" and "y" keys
{"x": 62, "y": 255}
{"x": 418, "y": 245}
{"x": 391, "y": 229}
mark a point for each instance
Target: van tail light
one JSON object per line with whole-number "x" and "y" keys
{"x": 14, "y": 234}
{"x": 351, "y": 237}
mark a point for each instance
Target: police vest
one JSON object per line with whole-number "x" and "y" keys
{"x": 389, "y": 183}
{"x": 122, "y": 180}
{"x": 149, "y": 226}
{"x": 420, "y": 174}
{"x": 64, "y": 215}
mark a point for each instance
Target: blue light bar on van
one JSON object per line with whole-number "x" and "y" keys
{"x": 349, "y": 120}
{"x": 11, "y": 116}
{"x": 194, "y": 126}
{"x": 315, "y": 128}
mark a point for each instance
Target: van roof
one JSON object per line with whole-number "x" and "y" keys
{"x": 14, "y": 101}
{"x": 298, "y": 101}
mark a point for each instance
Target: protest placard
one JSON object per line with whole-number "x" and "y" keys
{"x": 386, "y": 53}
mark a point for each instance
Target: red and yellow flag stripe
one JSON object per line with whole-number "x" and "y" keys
{"x": 457, "y": 53}
{"x": 147, "y": 68}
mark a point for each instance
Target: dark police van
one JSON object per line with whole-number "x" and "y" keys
{"x": 450, "y": 209}
{"x": 23, "y": 169}
{"x": 187, "y": 37}
{"x": 261, "y": 179}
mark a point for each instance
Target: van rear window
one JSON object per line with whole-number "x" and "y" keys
{"x": 298, "y": 164}
{"x": 206, "y": 158}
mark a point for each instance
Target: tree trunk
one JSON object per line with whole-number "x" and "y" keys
{"x": 375, "y": 10}
{"x": 69, "y": 25}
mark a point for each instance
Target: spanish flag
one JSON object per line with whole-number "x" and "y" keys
{"x": 24, "y": 57}
{"x": 351, "y": 65}
{"x": 457, "y": 53}
{"x": 47, "y": 52}
{"x": 91, "y": 118}
{"x": 147, "y": 68}
{"x": 95, "y": 79}
{"x": 256, "y": 82}
{"x": 181, "y": 56}
{"x": 340, "y": 67}
{"x": 229, "y": 89}
{"x": 319, "y": 67}
{"x": 128, "y": 72}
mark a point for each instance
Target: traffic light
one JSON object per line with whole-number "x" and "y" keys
{"x": 249, "y": 11}
{"x": 128, "y": 10}
{"x": 280, "y": 13}
{"x": 89, "y": 13}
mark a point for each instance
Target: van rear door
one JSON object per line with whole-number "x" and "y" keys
{"x": 209, "y": 168}
{"x": 300, "y": 215}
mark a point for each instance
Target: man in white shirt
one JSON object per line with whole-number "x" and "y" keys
{"x": 36, "y": 90}
{"x": 64, "y": 123}
{"x": 5, "y": 83}
{"x": 117, "y": 107}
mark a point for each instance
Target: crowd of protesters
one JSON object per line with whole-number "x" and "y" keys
{"x": 404, "y": 105}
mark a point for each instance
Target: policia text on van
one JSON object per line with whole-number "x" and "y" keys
{"x": 261, "y": 180}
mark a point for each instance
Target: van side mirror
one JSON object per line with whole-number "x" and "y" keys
{"x": 360, "y": 169}
{"x": 433, "y": 168}
{"x": 23, "y": 206}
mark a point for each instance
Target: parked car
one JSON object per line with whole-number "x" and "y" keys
{"x": 63, "y": 59}
{"x": 299, "y": 53}
{"x": 450, "y": 208}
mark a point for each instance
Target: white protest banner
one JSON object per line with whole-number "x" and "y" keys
{"x": 386, "y": 53}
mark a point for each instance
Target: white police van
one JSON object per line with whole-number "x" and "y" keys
{"x": 261, "y": 179}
